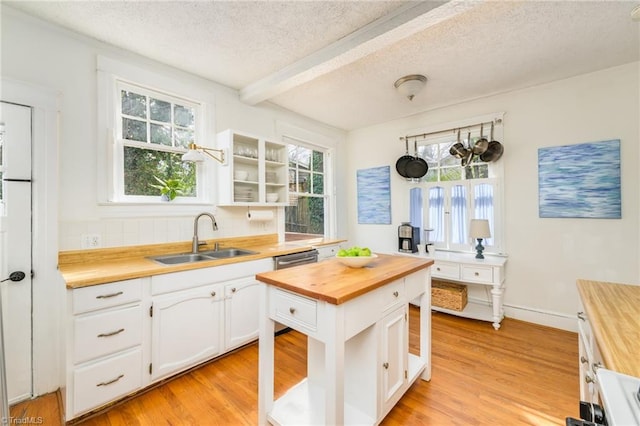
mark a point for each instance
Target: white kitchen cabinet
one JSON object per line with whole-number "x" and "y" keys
{"x": 256, "y": 170}
{"x": 394, "y": 349}
{"x": 186, "y": 329}
{"x": 241, "y": 306}
{"x": 589, "y": 360}
{"x": 466, "y": 269}
{"x": 104, "y": 344}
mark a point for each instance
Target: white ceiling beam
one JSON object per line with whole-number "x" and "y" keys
{"x": 391, "y": 28}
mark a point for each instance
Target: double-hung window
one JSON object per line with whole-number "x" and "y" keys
{"x": 454, "y": 194}
{"x": 153, "y": 131}
{"x": 306, "y": 216}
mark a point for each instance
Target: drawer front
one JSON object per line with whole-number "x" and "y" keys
{"x": 101, "y": 296}
{"x": 105, "y": 333}
{"x": 393, "y": 295}
{"x": 107, "y": 380}
{"x": 477, "y": 273}
{"x": 294, "y": 310}
{"x": 445, "y": 270}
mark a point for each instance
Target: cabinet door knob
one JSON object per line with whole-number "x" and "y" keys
{"x": 386, "y": 365}
{"x": 213, "y": 294}
{"x": 292, "y": 311}
{"x": 477, "y": 274}
{"x": 395, "y": 293}
{"x": 437, "y": 269}
{"x": 233, "y": 290}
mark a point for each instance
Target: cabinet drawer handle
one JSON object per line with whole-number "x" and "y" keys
{"x": 386, "y": 365}
{"x": 113, "y": 333}
{"x": 106, "y": 296}
{"x": 583, "y": 360}
{"x": 477, "y": 274}
{"x": 581, "y": 316}
{"x": 395, "y": 293}
{"x": 213, "y": 294}
{"x": 438, "y": 268}
{"x": 292, "y": 311}
{"x": 111, "y": 381}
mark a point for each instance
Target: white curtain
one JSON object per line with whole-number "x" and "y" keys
{"x": 436, "y": 214}
{"x": 483, "y": 202}
{"x": 459, "y": 214}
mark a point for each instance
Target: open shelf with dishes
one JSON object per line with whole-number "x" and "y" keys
{"x": 256, "y": 173}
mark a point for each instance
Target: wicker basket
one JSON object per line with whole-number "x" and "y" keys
{"x": 448, "y": 295}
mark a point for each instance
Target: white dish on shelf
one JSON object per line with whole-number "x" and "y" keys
{"x": 272, "y": 197}
{"x": 240, "y": 175}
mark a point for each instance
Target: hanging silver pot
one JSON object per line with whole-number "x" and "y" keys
{"x": 494, "y": 150}
{"x": 457, "y": 149}
{"x": 481, "y": 144}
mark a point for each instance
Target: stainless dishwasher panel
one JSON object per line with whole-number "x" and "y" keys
{"x": 295, "y": 259}
{"x": 289, "y": 261}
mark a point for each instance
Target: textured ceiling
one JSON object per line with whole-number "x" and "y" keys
{"x": 336, "y": 61}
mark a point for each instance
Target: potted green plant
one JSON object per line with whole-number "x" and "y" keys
{"x": 169, "y": 189}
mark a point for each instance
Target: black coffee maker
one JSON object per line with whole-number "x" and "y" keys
{"x": 408, "y": 238}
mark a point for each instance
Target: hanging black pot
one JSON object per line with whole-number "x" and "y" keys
{"x": 402, "y": 162}
{"x": 417, "y": 167}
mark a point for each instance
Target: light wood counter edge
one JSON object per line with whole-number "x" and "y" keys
{"x": 607, "y": 337}
{"x": 83, "y": 268}
{"x": 268, "y": 278}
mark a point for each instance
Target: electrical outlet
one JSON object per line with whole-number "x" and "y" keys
{"x": 90, "y": 241}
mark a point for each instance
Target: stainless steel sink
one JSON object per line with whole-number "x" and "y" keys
{"x": 228, "y": 252}
{"x": 173, "y": 259}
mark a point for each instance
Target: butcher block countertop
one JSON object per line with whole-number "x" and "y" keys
{"x": 335, "y": 283}
{"x": 82, "y": 268}
{"x": 614, "y": 313}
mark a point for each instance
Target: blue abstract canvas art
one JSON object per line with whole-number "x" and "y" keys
{"x": 374, "y": 195}
{"x": 580, "y": 181}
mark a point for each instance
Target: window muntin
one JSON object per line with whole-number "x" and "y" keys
{"x": 153, "y": 132}
{"x": 305, "y": 216}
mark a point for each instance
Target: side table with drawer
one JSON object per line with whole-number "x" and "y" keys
{"x": 466, "y": 269}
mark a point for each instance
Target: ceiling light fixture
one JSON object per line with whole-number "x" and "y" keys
{"x": 410, "y": 85}
{"x": 196, "y": 154}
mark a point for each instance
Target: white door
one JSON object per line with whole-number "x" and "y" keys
{"x": 15, "y": 246}
{"x": 242, "y": 303}
{"x": 394, "y": 349}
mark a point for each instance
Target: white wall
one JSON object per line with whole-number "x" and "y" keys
{"x": 48, "y": 56}
{"x": 546, "y": 256}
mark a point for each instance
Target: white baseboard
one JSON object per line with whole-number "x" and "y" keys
{"x": 538, "y": 316}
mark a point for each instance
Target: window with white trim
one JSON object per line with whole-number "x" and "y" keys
{"x": 307, "y": 216}
{"x": 454, "y": 194}
{"x": 153, "y": 131}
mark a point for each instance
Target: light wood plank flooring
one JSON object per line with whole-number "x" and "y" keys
{"x": 523, "y": 374}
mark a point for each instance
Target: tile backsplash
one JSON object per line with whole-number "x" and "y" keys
{"x": 118, "y": 232}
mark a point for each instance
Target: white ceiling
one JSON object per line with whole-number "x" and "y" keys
{"x": 336, "y": 61}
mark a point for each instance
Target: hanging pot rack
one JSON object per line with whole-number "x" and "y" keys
{"x": 453, "y": 129}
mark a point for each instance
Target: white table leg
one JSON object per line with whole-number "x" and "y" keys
{"x": 425, "y": 330}
{"x": 334, "y": 363}
{"x": 496, "y": 295}
{"x": 266, "y": 354}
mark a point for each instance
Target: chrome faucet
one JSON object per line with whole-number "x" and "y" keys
{"x": 196, "y": 243}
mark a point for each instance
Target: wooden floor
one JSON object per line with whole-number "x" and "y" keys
{"x": 523, "y": 374}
